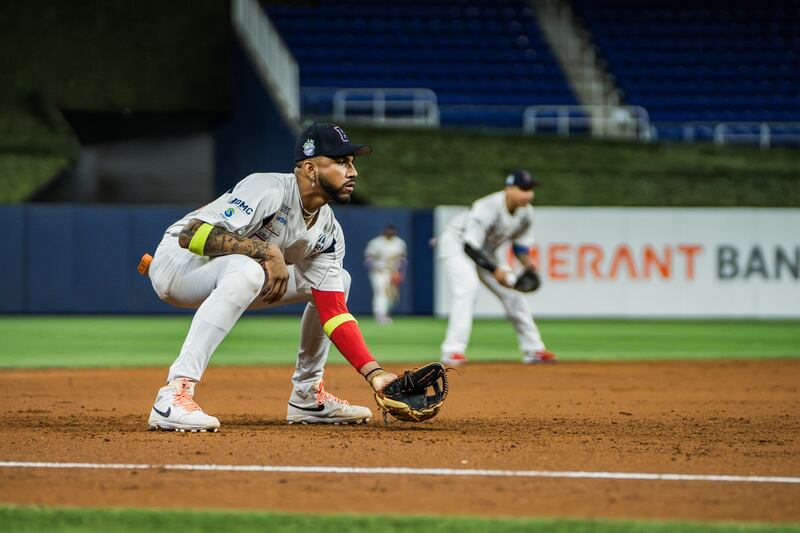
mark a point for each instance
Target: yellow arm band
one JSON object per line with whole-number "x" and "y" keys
{"x": 198, "y": 242}
{"x": 337, "y": 321}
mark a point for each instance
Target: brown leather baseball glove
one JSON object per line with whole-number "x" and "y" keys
{"x": 415, "y": 396}
{"x": 528, "y": 281}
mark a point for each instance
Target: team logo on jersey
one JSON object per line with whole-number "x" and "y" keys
{"x": 320, "y": 243}
{"x": 228, "y": 212}
{"x": 242, "y": 205}
{"x": 284, "y": 209}
{"x": 342, "y": 134}
{"x": 309, "y": 148}
{"x": 272, "y": 224}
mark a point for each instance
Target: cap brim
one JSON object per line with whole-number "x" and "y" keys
{"x": 352, "y": 149}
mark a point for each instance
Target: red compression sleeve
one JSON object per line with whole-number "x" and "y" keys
{"x": 342, "y": 327}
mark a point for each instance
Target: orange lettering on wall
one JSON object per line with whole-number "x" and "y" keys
{"x": 556, "y": 261}
{"x": 584, "y": 251}
{"x": 690, "y": 250}
{"x": 622, "y": 254}
{"x": 651, "y": 260}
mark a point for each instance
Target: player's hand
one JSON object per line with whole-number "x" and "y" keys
{"x": 277, "y": 276}
{"x": 503, "y": 277}
{"x": 379, "y": 382}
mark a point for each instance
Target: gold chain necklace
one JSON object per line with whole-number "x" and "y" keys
{"x": 308, "y": 216}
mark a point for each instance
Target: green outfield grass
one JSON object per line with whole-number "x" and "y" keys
{"x": 146, "y": 341}
{"x": 21, "y": 519}
{"x": 430, "y": 167}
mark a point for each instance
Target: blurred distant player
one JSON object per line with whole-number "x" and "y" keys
{"x": 270, "y": 240}
{"x": 385, "y": 258}
{"x": 469, "y": 251}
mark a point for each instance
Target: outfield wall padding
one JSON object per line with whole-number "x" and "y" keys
{"x": 82, "y": 259}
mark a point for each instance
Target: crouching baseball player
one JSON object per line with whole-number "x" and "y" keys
{"x": 468, "y": 250}
{"x": 273, "y": 240}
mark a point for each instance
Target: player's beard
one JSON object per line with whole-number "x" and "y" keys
{"x": 337, "y": 194}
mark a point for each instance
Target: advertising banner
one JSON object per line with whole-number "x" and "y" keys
{"x": 655, "y": 262}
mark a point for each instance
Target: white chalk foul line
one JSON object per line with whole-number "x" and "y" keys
{"x": 359, "y": 470}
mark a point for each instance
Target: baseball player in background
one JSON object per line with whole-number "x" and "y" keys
{"x": 470, "y": 250}
{"x": 385, "y": 259}
{"x": 270, "y": 240}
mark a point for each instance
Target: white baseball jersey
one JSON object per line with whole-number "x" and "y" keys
{"x": 267, "y": 207}
{"x": 488, "y": 224}
{"x": 385, "y": 255}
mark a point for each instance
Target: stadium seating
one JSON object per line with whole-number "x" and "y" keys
{"x": 487, "y": 53}
{"x": 694, "y": 64}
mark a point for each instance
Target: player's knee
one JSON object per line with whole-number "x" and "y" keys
{"x": 517, "y": 306}
{"x": 243, "y": 277}
{"x": 252, "y": 276}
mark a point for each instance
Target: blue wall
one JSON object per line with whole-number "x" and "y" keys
{"x": 82, "y": 259}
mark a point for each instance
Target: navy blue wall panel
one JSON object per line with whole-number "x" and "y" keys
{"x": 82, "y": 259}
{"x": 101, "y": 272}
{"x": 12, "y": 266}
{"x": 421, "y": 258}
{"x": 51, "y": 258}
{"x": 359, "y": 225}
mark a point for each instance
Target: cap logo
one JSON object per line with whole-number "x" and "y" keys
{"x": 510, "y": 179}
{"x": 309, "y": 148}
{"x": 341, "y": 133}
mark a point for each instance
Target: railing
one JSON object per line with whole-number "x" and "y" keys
{"x": 761, "y": 133}
{"x": 599, "y": 120}
{"x": 408, "y": 107}
{"x": 271, "y": 57}
{"x": 632, "y": 122}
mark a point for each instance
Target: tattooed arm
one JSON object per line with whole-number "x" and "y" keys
{"x": 221, "y": 242}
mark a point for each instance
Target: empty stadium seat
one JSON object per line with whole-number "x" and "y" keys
{"x": 470, "y": 53}
{"x": 711, "y": 61}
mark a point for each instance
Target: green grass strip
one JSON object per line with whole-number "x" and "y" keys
{"x": 22, "y": 519}
{"x": 426, "y": 168}
{"x": 21, "y": 175}
{"x": 124, "y": 341}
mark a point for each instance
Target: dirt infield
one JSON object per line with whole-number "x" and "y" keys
{"x": 733, "y": 417}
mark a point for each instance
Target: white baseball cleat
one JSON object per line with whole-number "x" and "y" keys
{"x": 453, "y": 359}
{"x": 539, "y": 356}
{"x": 176, "y": 410}
{"x": 322, "y": 407}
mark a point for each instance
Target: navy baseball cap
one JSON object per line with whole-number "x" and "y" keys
{"x": 330, "y": 140}
{"x": 522, "y": 179}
